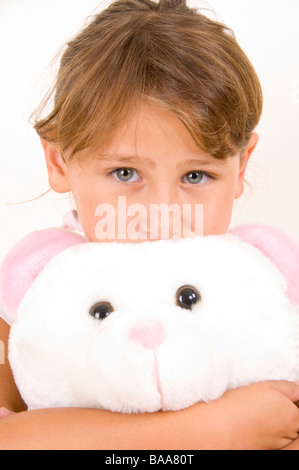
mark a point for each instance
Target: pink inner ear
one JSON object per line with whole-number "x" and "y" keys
{"x": 280, "y": 248}
{"x": 26, "y": 260}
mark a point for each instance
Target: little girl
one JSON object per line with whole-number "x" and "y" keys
{"x": 156, "y": 103}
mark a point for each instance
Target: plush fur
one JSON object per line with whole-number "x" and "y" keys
{"x": 149, "y": 353}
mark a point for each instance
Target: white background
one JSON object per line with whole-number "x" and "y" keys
{"x": 32, "y": 31}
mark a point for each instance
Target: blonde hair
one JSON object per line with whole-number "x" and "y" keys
{"x": 165, "y": 53}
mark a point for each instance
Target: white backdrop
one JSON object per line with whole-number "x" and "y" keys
{"x": 31, "y": 32}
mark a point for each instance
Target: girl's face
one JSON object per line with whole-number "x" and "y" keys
{"x": 152, "y": 160}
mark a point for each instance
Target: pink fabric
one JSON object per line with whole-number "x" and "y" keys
{"x": 26, "y": 260}
{"x": 280, "y": 248}
{"x": 149, "y": 333}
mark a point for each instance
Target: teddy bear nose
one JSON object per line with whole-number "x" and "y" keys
{"x": 148, "y": 332}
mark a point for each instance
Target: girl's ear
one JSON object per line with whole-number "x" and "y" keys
{"x": 244, "y": 159}
{"x": 57, "y": 169}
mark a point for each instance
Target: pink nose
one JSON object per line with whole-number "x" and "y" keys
{"x": 150, "y": 333}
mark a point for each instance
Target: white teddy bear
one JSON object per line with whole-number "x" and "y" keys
{"x": 150, "y": 326}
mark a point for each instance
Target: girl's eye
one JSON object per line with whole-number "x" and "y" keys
{"x": 126, "y": 174}
{"x": 196, "y": 177}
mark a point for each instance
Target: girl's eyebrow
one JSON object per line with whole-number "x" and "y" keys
{"x": 209, "y": 161}
{"x": 126, "y": 159}
{"x": 131, "y": 159}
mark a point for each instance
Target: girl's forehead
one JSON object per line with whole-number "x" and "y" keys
{"x": 147, "y": 126}
{"x": 149, "y": 133}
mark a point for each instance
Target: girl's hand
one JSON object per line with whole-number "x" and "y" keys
{"x": 294, "y": 445}
{"x": 4, "y": 412}
{"x": 262, "y": 415}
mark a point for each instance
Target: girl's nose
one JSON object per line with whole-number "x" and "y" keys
{"x": 164, "y": 212}
{"x": 162, "y": 192}
{"x": 148, "y": 332}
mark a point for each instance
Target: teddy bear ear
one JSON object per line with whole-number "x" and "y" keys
{"x": 282, "y": 250}
{"x": 26, "y": 260}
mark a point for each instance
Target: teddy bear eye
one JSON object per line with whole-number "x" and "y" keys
{"x": 187, "y": 296}
{"x": 101, "y": 310}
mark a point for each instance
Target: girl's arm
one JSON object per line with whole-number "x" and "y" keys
{"x": 261, "y": 416}
{"x": 256, "y": 417}
{"x": 9, "y": 394}
{"x": 294, "y": 445}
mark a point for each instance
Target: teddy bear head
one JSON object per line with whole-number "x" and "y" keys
{"x": 145, "y": 327}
